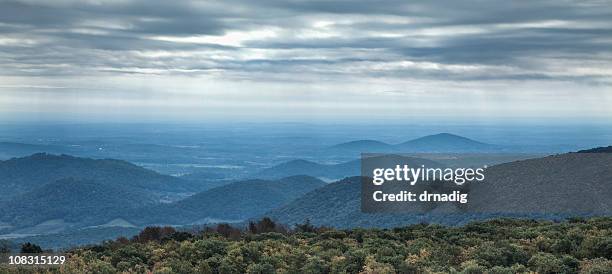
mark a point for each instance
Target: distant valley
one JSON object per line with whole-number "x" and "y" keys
{"x": 58, "y": 195}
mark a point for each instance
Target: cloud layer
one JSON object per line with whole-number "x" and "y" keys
{"x": 317, "y": 58}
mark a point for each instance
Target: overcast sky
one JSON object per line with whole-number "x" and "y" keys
{"x": 305, "y": 60}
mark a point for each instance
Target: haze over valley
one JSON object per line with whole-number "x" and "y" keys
{"x": 74, "y": 181}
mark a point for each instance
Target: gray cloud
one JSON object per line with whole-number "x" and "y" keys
{"x": 315, "y": 45}
{"x": 79, "y": 33}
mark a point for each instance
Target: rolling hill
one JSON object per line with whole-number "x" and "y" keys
{"x": 233, "y": 202}
{"x": 443, "y": 142}
{"x": 304, "y": 167}
{"x": 22, "y": 175}
{"x": 437, "y": 143}
{"x": 548, "y": 187}
{"x": 332, "y": 171}
{"x": 338, "y": 205}
{"x": 72, "y": 201}
{"x": 334, "y": 205}
{"x": 575, "y": 183}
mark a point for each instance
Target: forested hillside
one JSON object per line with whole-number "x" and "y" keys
{"x": 232, "y": 202}
{"x": 21, "y": 175}
{"x": 73, "y": 201}
{"x": 496, "y": 246}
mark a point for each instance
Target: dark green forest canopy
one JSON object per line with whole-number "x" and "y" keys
{"x": 496, "y": 246}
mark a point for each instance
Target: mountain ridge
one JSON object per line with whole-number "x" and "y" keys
{"x": 440, "y": 142}
{"x": 232, "y": 202}
{"x": 73, "y": 201}
{"x": 567, "y": 184}
{"x": 607, "y": 149}
{"x": 332, "y": 171}
{"x": 24, "y": 174}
